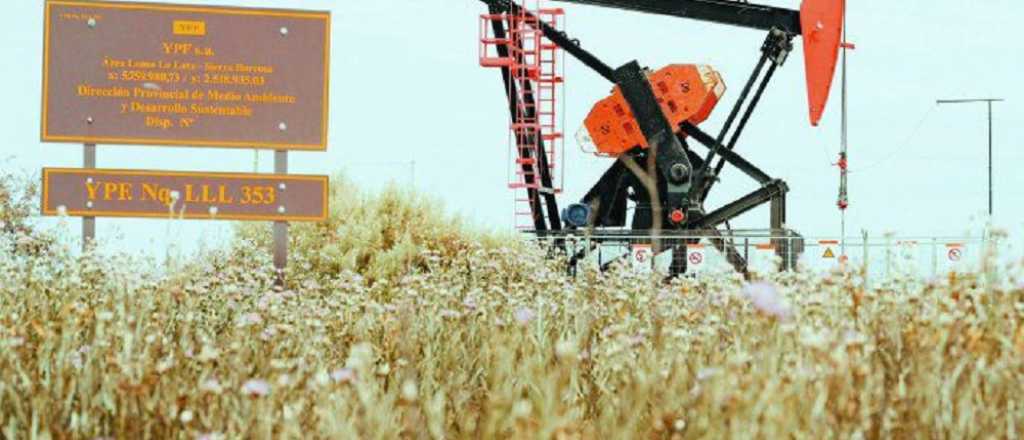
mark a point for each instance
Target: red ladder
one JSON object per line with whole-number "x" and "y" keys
{"x": 537, "y": 71}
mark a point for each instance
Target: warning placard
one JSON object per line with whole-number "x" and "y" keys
{"x": 828, "y": 256}
{"x": 696, "y": 258}
{"x": 642, "y": 257}
{"x": 955, "y": 254}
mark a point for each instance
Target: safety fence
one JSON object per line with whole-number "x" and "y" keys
{"x": 883, "y": 256}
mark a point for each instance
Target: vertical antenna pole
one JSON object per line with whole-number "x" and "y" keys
{"x": 843, "y": 164}
{"x": 88, "y": 223}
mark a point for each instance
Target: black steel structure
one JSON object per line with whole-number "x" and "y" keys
{"x": 669, "y": 182}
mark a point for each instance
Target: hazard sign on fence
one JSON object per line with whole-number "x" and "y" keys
{"x": 696, "y": 257}
{"x": 642, "y": 256}
{"x": 829, "y": 256}
{"x": 955, "y": 252}
{"x": 829, "y": 249}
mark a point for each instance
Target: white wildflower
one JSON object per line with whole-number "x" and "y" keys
{"x": 409, "y": 391}
{"x": 256, "y": 388}
{"x": 165, "y": 364}
{"x": 679, "y": 425}
{"x": 207, "y": 354}
{"x": 343, "y": 375}
{"x": 815, "y": 339}
{"x": 853, "y": 337}
{"x": 565, "y": 349}
{"x": 360, "y": 356}
{"x": 250, "y": 319}
{"x": 707, "y": 373}
{"x": 521, "y": 409}
{"x": 211, "y": 386}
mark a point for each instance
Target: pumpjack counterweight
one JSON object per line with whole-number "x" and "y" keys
{"x": 651, "y": 119}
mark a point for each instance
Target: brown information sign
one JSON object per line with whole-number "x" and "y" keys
{"x": 155, "y": 74}
{"x": 168, "y": 194}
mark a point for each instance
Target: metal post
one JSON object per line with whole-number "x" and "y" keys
{"x": 988, "y": 101}
{"x": 280, "y": 228}
{"x": 88, "y": 223}
{"x": 888, "y": 255}
{"x": 867, "y": 261}
{"x": 990, "y": 160}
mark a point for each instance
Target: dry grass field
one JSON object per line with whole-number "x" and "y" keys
{"x": 397, "y": 322}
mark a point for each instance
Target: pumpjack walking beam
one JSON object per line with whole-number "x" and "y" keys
{"x": 729, "y": 12}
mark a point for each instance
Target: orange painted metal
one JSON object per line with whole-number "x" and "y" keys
{"x": 686, "y": 92}
{"x": 822, "y": 27}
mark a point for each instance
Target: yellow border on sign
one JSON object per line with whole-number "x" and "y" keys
{"x": 325, "y": 16}
{"x": 227, "y": 10}
{"x": 323, "y": 180}
{"x": 46, "y": 69}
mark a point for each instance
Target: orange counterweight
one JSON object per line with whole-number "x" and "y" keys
{"x": 686, "y": 92}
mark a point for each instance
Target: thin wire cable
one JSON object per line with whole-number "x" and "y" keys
{"x": 897, "y": 151}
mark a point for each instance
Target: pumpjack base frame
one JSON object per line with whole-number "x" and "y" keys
{"x": 577, "y": 246}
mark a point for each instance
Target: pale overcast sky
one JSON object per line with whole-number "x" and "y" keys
{"x": 406, "y": 86}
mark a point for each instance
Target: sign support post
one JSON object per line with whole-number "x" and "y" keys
{"x": 280, "y": 227}
{"x": 88, "y": 223}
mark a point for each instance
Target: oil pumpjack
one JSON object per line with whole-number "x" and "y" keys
{"x": 650, "y": 123}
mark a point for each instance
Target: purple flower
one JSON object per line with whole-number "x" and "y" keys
{"x": 635, "y": 340}
{"x": 250, "y": 319}
{"x": 265, "y": 301}
{"x": 766, "y": 298}
{"x": 524, "y": 315}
